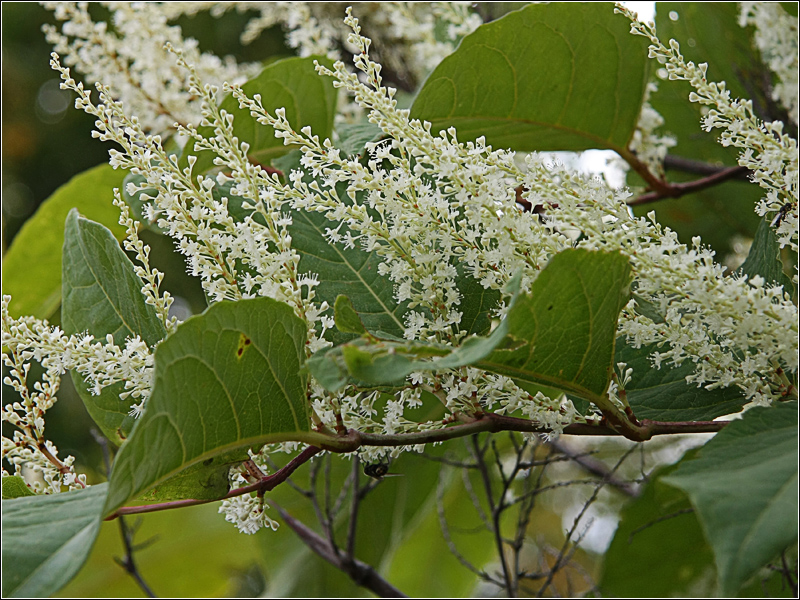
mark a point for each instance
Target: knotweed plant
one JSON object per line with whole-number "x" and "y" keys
{"x": 492, "y": 287}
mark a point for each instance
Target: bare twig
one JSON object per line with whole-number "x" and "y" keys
{"x": 553, "y": 486}
{"x": 698, "y": 167}
{"x": 327, "y": 523}
{"x": 475, "y": 501}
{"x": 354, "y": 506}
{"x": 672, "y": 515}
{"x": 361, "y": 573}
{"x": 449, "y": 540}
{"x": 318, "y": 511}
{"x": 128, "y": 563}
{"x": 496, "y": 511}
{"x": 554, "y": 459}
{"x": 449, "y": 461}
{"x": 595, "y": 467}
{"x": 564, "y": 556}
{"x": 788, "y": 575}
{"x": 524, "y": 512}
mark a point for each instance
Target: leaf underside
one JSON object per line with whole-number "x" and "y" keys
{"x": 225, "y": 381}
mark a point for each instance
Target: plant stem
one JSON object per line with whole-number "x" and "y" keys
{"x": 128, "y": 563}
{"x": 659, "y": 186}
{"x": 698, "y": 167}
{"x": 489, "y": 422}
{"x": 360, "y": 572}
{"x": 265, "y": 485}
{"x": 676, "y": 190}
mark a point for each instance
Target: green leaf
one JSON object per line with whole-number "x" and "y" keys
{"x": 568, "y": 324}
{"x": 102, "y": 293}
{"x": 101, "y": 296}
{"x": 346, "y": 271}
{"x": 346, "y": 317}
{"x": 32, "y": 265}
{"x": 226, "y": 380}
{"x": 206, "y": 479}
{"x": 547, "y": 77}
{"x": 707, "y": 32}
{"x": 764, "y": 258}
{"x": 46, "y": 539}
{"x": 15, "y": 487}
{"x": 664, "y": 395}
{"x": 659, "y": 549}
{"x": 562, "y": 335}
{"x": 293, "y": 84}
{"x": 744, "y": 488}
{"x": 343, "y": 271}
{"x": 353, "y": 137}
{"x": 477, "y": 302}
{"x": 107, "y": 409}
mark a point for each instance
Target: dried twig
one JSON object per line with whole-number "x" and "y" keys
{"x": 128, "y": 563}
{"x": 361, "y": 573}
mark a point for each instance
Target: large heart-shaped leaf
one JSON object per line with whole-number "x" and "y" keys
{"x": 744, "y": 488}
{"x": 102, "y": 295}
{"x": 46, "y": 539}
{"x": 225, "y": 380}
{"x": 546, "y": 77}
{"x": 32, "y": 265}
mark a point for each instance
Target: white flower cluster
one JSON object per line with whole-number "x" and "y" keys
{"x": 27, "y": 340}
{"x": 649, "y": 146}
{"x": 767, "y": 151}
{"x": 426, "y": 204}
{"x": 128, "y": 55}
{"x": 234, "y": 259}
{"x": 414, "y": 36}
{"x": 776, "y": 39}
{"x": 736, "y": 331}
{"x": 435, "y": 210}
{"x": 248, "y": 511}
{"x": 150, "y": 277}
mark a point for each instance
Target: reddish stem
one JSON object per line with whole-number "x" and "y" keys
{"x": 266, "y": 484}
{"x": 676, "y": 190}
{"x": 488, "y": 422}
